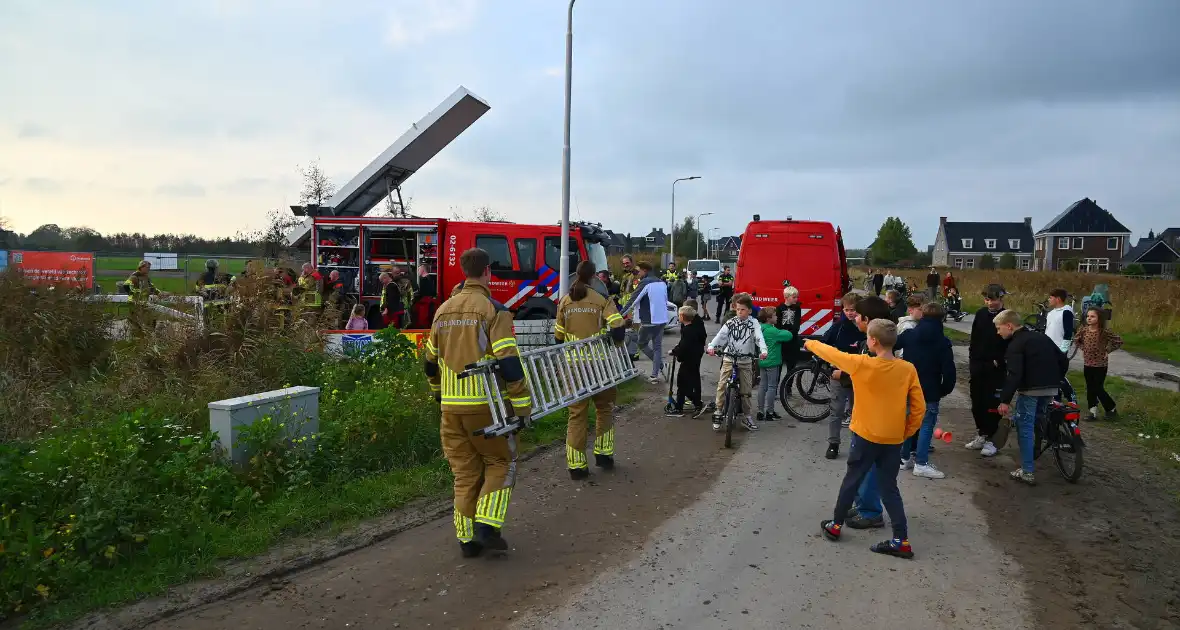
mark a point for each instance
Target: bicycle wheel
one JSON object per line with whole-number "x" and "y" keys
{"x": 800, "y": 407}
{"x": 813, "y": 385}
{"x": 1067, "y": 452}
{"x": 732, "y": 405}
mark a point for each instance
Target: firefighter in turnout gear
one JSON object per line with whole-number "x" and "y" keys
{"x": 311, "y": 287}
{"x": 468, "y": 328}
{"x": 581, "y": 314}
{"x": 140, "y": 288}
{"x": 212, "y": 286}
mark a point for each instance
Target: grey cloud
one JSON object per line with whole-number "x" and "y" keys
{"x": 182, "y": 189}
{"x": 31, "y": 130}
{"x": 44, "y": 185}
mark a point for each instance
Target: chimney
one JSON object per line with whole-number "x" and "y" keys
{"x": 941, "y": 221}
{"x": 1028, "y": 221}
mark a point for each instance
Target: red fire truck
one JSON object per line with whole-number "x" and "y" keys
{"x": 808, "y": 254}
{"x": 525, "y": 258}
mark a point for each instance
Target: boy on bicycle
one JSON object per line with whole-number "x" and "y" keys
{"x": 740, "y": 341}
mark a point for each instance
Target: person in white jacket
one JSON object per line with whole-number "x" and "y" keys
{"x": 1059, "y": 321}
{"x": 650, "y": 301}
{"x": 740, "y": 336}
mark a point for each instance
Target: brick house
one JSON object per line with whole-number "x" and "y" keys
{"x": 1085, "y": 237}
{"x": 964, "y": 244}
{"x": 1158, "y": 255}
{"x": 726, "y": 248}
{"x": 617, "y": 243}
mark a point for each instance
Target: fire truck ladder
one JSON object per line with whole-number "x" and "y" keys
{"x": 557, "y": 376}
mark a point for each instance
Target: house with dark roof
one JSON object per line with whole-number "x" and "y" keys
{"x": 617, "y": 243}
{"x": 1157, "y": 254}
{"x": 1084, "y": 237}
{"x": 725, "y": 248}
{"x": 655, "y": 241}
{"x": 964, "y": 244}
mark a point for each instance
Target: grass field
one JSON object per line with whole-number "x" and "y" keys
{"x": 194, "y": 265}
{"x": 1148, "y": 416}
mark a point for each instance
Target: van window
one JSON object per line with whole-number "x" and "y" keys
{"x": 526, "y": 253}
{"x": 497, "y": 249}
{"x": 712, "y": 266}
{"x": 553, "y": 253}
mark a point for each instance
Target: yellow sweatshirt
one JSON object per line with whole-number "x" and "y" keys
{"x": 882, "y": 388}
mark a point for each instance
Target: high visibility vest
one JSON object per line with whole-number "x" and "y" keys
{"x": 311, "y": 295}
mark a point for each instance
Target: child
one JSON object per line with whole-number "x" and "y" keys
{"x": 884, "y": 385}
{"x": 689, "y": 352}
{"x": 927, "y": 347}
{"x": 846, "y": 337}
{"x": 740, "y": 335}
{"x": 358, "y": 321}
{"x": 788, "y": 316}
{"x": 771, "y": 368}
{"x": 1096, "y": 343}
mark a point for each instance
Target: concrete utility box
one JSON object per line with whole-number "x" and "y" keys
{"x": 297, "y": 407}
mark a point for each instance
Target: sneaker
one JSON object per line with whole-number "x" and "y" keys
{"x": 1023, "y": 477}
{"x": 774, "y": 416}
{"x": 761, "y": 416}
{"x": 605, "y": 462}
{"x": 635, "y": 357}
{"x": 1113, "y": 414}
{"x": 988, "y": 450}
{"x": 976, "y": 443}
{"x": 489, "y": 537}
{"x": 928, "y": 471}
{"x": 863, "y": 522}
{"x": 833, "y": 451}
{"x": 654, "y": 380}
{"x": 578, "y": 474}
{"x": 852, "y": 513}
{"x": 749, "y": 425}
{"x": 907, "y": 464}
{"x": 470, "y": 549}
{"x": 1092, "y": 415}
{"x": 831, "y": 529}
{"x": 846, "y": 421}
{"x": 716, "y": 426}
{"x": 700, "y": 411}
{"x": 894, "y": 547}
{"x": 674, "y": 413}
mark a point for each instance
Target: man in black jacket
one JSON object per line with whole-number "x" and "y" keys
{"x": 986, "y": 366}
{"x": 688, "y": 352}
{"x": 1035, "y": 367}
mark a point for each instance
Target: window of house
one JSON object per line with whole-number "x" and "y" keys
{"x": 989, "y": 243}
{"x": 1094, "y": 265}
{"x": 1040, "y": 244}
{"x": 497, "y": 249}
{"x": 1024, "y": 263}
{"x": 968, "y": 243}
{"x": 1078, "y": 241}
{"x": 553, "y": 253}
{"x": 526, "y": 253}
{"x": 970, "y": 263}
{"x": 1112, "y": 243}
{"x": 650, "y": 239}
{"x": 1014, "y": 243}
{"x": 1063, "y": 242}
{"x": 958, "y": 263}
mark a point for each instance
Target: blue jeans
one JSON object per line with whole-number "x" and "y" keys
{"x": 865, "y": 458}
{"x": 918, "y": 444}
{"x": 1026, "y": 411}
{"x": 868, "y": 497}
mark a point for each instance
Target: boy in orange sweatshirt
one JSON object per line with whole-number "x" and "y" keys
{"x": 883, "y": 384}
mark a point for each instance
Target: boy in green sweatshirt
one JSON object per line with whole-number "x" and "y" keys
{"x": 770, "y": 369}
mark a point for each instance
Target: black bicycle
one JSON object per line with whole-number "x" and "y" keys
{"x": 732, "y": 405}
{"x": 1057, "y": 430}
{"x": 809, "y": 381}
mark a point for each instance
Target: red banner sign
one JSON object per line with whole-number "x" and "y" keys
{"x": 55, "y": 267}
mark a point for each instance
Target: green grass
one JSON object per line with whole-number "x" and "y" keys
{"x": 955, "y": 335}
{"x": 168, "y": 285}
{"x": 1144, "y": 414}
{"x": 1166, "y": 347}
{"x": 193, "y": 265}
{"x": 326, "y": 508}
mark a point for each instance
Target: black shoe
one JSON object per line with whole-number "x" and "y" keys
{"x": 605, "y": 462}
{"x": 489, "y": 538}
{"x": 761, "y": 416}
{"x": 862, "y": 522}
{"x": 852, "y": 513}
{"x": 894, "y": 547}
{"x": 470, "y": 549}
{"x": 833, "y": 451}
{"x": 578, "y": 474}
{"x": 634, "y": 357}
{"x": 699, "y": 411}
{"x": 673, "y": 412}
{"x": 774, "y": 416}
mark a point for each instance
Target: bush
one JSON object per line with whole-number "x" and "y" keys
{"x": 1008, "y": 261}
{"x": 1134, "y": 269}
{"x": 987, "y": 262}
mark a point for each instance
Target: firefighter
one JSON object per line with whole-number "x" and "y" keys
{"x": 311, "y": 287}
{"x": 334, "y": 295}
{"x": 406, "y": 289}
{"x": 212, "y": 287}
{"x": 140, "y": 287}
{"x": 468, "y": 328}
{"x": 581, "y": 314}
{"x": 391, "y": 301}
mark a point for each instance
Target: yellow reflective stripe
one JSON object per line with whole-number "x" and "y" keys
{"x": 507, "y": 342}
{"x": 430, "y": 347}
{"x": 464, "y": 401}
{"x": 460, "y": 391}
{"x": 614, "y": 317}
{"x": 436, "y": 387}
{"x": 523, "y": 401}
{"x": 559, "y": 328}
{"x": 464, "y": 527}
{"x": 491, "y": 509}
{"x": 605, "y": 443}
{"x": 575, "y": 458}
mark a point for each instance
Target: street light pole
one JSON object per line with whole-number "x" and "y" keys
{"x": 672, "y": 234}
{"x": 563, "y": 268}
{"x": 698, "y": 226}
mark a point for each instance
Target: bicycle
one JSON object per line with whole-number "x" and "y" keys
{"x": 732, "y": 404}
{"x": 811, "y": 378}
{"x": 1057, "y": 429}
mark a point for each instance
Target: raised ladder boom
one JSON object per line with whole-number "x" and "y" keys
{"x": 557, "y": 377}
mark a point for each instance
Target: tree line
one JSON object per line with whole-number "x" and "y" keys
{"x": 52, "y": 237}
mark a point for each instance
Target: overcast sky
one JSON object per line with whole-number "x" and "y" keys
{"x": 192, "y": 115}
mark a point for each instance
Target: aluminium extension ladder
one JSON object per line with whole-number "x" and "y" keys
{"x": 557, "y": 377}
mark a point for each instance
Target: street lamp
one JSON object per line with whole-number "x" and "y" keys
{"x": 698, "y": 247}
{"x": 563, "y": 268}
{"x": 672, "y": 236}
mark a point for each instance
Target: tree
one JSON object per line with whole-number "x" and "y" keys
{"x": 481, "y": 214}
{"x": 1008, "y": 261}
{"x": 1134, "y": 269}
{"x": 894, "y": 242}
{"x": 628, "y": 247}
{"x": 987, "y": 262}
{"x": 688, "y": 239}
{"x": 317, "y": 187}
{"x": 48, "y": 236}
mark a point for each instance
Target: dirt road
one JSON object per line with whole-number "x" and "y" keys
{"x": 687, "y": 535}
